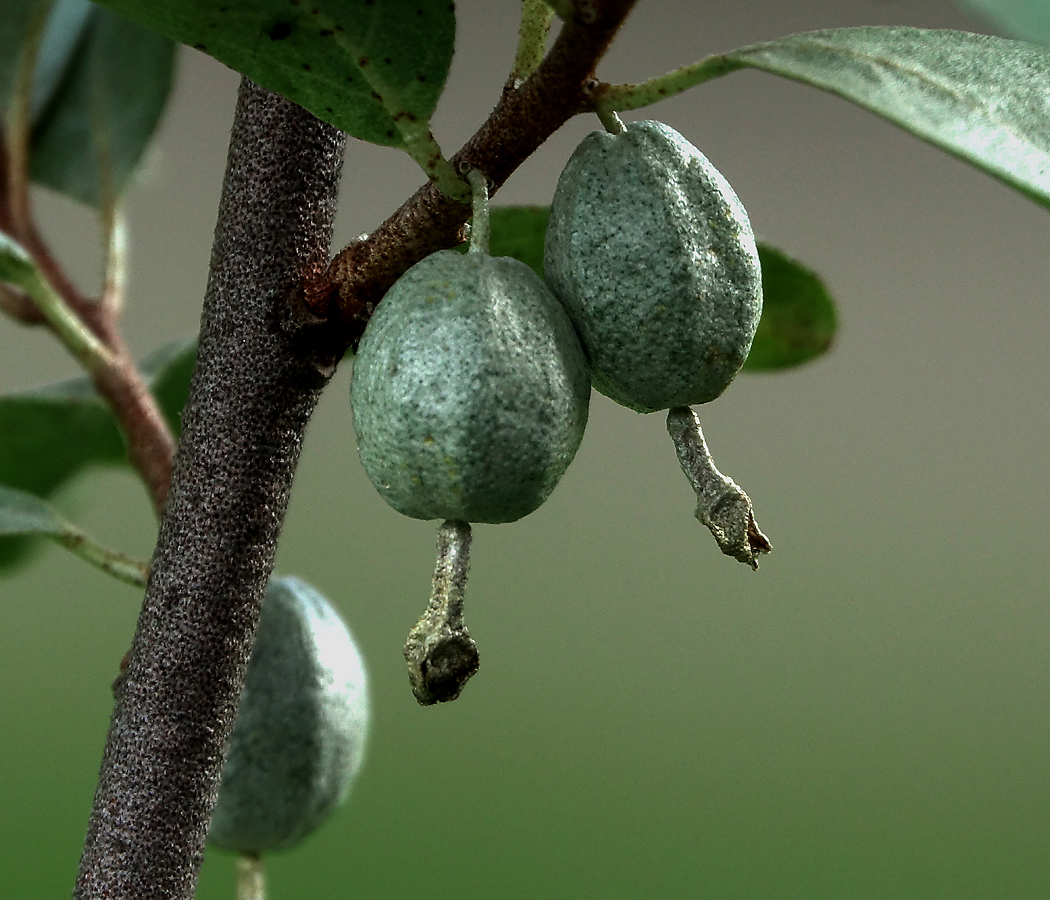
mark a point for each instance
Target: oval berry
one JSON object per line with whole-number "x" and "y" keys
{"x": 653, "y": 256}
{"x": 301, "y": 726}
{"x": 470, "y": 390}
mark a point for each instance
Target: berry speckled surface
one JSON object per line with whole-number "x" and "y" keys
{"x": 652, "y": 253}
{"x": 301, "y": 728}
{"x": 470, "y": 390}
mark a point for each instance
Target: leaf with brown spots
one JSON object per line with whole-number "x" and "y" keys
{"x": 363, "y": 66}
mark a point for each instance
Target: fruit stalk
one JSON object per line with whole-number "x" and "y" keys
{"x": 251, "y": 877}
{"x": 610, "y": 121}
{"x": 536, "y": 16}
{"x": 479, "y": 225}
{"x": 440, "y": 653}
{"x": 721, "y": 503}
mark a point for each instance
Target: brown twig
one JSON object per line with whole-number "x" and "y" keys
{"x": 428, "y": 221}
{"x": 13, "y": 302}
{"x": 149, "y": 441}
{"x": 150, "y": 444}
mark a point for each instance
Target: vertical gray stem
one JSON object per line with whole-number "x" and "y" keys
{"x": 253, "y": 391}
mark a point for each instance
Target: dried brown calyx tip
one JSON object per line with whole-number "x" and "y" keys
{"x": 721, "y": 503}
{"x": 440, "y": 653}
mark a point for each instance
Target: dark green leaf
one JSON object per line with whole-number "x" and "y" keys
{"x": 168, "y": 370}
{"x": 24, "y": 519}
{"x": 798, "y": 315}
{"x": 985, "y": 99}
{"x": 46, "y": 437}
{"x": 16, "y": 265}
{"x": 354, "y": 63}
{"x": 518, "y": 231}
{"x": 90, "y": 136}
{"x": 17, "y": 551}
{"x": 49, "y": 434}
{"x": 1027, "y": 20}
{"x": 24, "y": 516}
{"x": 65, "y": 27}
{"x": 18, "y": 21}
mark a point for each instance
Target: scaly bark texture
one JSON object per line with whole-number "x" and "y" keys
{"x": 253, "y": 391}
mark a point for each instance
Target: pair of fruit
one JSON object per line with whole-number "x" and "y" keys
{"x": 470, "y": 398}
{"x": 471, "y": 384}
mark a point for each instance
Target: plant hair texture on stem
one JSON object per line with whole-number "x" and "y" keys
{"x": 252, "y": 394}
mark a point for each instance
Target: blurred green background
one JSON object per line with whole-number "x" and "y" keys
{"x": 865, "y": 717}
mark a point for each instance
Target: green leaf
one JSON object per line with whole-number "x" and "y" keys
{"x": 23, "y": 515}
{"x": 47, "y": 436}
{"x": 369, "y": 67}
{"x": 50, "y": 434}
{"x": 798, "y": 315}
{"x": 16, "y": 551}
{"x": 19, "y": 20}
{"x": 16, "y": 265}
{"x": 65, "y": 27}
{"x": 518, "y": 232}
{"x": 985, "y": 99}
{"x": 90, "y": 136}
{"x": 1028, "y": 20}
{"x": 22, "y": 518}
{"x": 168, "y": 371}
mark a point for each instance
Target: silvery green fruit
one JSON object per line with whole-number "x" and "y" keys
{"x": 653, "y": 256}
{"x": 301, "y": 726}
{"x": 470, "y": 390}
